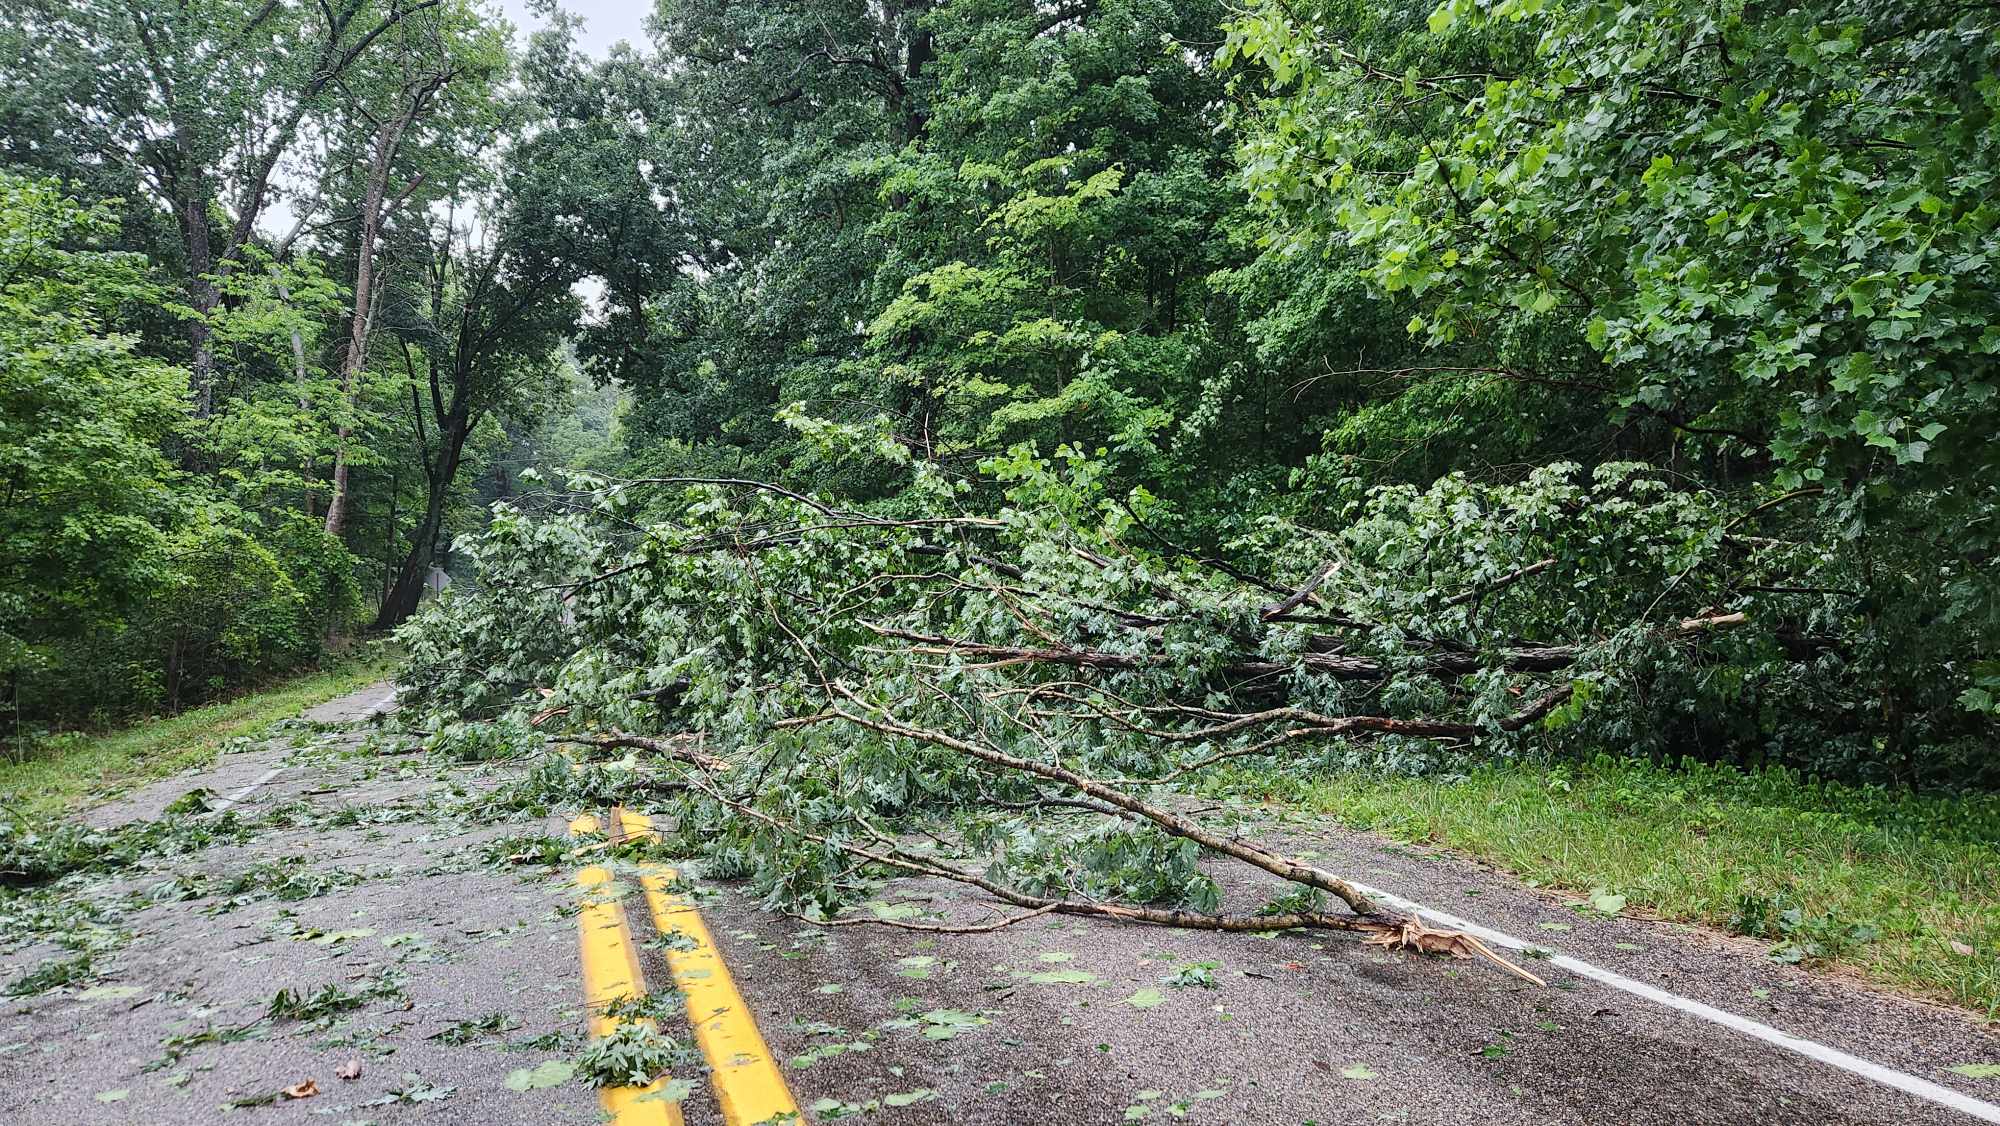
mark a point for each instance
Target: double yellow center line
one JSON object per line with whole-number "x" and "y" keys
{"x": 746, "y": 1081}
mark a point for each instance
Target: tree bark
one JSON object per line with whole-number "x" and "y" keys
{"x": 203, "y": 297}
{"x": 376, "y": 208}
{"x": 408, "y": 588}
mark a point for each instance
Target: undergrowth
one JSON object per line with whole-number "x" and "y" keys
{"x": 59, "y": 772}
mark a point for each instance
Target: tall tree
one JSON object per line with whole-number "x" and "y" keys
{"x": 207, "y": 99}
{"x": 431, "y": 73}
{"x": 479, "y": 340}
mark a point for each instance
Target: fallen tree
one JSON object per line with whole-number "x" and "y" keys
{"x": 814, "y": 688}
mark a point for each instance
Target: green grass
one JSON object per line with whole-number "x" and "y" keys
{"x": 66, "y": 771}
{"x": 1691, "y": 843}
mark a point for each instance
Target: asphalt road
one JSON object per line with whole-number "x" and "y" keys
{"x": 469, "y": 975}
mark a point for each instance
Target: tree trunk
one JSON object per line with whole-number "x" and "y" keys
{"x": 203, "y": 297}
{"x": 409, "y": 586}
{"x": 389, "y": 532}
{"x": 299, "y": 381}
{"x": 372, "y": 215}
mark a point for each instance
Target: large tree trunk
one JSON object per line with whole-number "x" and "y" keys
{"x": 203, "y": 297}
{"x": 409, "y": 586}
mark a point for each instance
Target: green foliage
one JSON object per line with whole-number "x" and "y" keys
{"x": 114, "y": 557}
{"x": 36, "y": 854}
{"x": 631, "y": 1056}
{"x": 1804, "y": 938}
{"x": 539, "y": 850}
{"x": 1194, "y": 975}
{"x": 1103, "y": 861}
{"x": 53, "y": 973}
{"x": 82, "y": 416}
{"x": 327, "y": 1000}
{"x": 548, "y": 632}
{"x": 553, "y": 784}
{"x": 1760, "y": 249}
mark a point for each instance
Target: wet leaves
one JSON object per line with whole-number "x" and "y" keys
{"x": 1194, "y": 975}
{"x": 823, "y": 1052}
{"x": 1146, "y": 998}
{"x": 414, "y": 1090}
{"x": 1606, "y": 903}
{"x": 832, "y": 1110}
{"x": 1062, "y": 977}
{"x": 671, "y": 1091}
{"x": 549, "y": 1073}
{"x": 475, "y": 1028}
{"x": 944, "y": 1024}
{"x": 628, "y": 1057}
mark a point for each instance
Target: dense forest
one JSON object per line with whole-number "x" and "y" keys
{"x": 971, "y": 400}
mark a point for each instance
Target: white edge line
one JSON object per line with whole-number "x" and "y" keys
{"x": 378, "y": 708}
{"x": 1833, "y": 1057}
{"x": 239, "y": 795}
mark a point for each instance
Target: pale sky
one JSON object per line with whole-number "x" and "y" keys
{"x": 605, "y": 21}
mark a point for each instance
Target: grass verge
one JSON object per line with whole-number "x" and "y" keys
{"x": 76, "y": 768}
{"x": 1902, "y": 888}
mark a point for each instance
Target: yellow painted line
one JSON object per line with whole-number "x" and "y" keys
{"x": 746, "y": 1079}
{"x": 611, "y": 973}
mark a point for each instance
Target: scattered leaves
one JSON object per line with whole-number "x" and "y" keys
{"x": 550, "y": 1073}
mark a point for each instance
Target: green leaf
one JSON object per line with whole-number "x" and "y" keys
{"x": 1063, "y": 977}
{"x": 1357, "y": 1071}
{"x": 1976, "y": 1070}
{"x": 551, "y": 1073}
{"x": 1146, "y": 998}
{"x": 671, "y": 1091}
